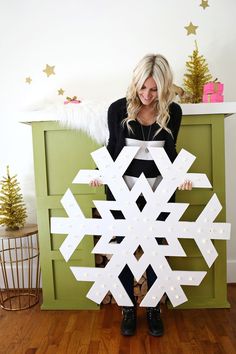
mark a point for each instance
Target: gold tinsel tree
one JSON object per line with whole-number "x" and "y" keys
{"x": 12, "y": 207}
{"x": 196, "y": 76}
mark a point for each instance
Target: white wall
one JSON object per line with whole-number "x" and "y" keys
{"x": 94, "y": 46}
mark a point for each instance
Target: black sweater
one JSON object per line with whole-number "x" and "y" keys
{"x": 117, "y": 134}
{"x": 118, "y": 111}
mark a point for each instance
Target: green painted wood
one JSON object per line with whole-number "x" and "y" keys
{"x": 59, "y": 154}
{"x": 203, "y": 136}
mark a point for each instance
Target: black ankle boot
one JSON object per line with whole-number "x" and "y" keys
{"x": 128, "y": 324}
{"x": 155, "y": 324}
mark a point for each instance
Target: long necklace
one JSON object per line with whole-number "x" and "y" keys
{"x": 144, "y": 139}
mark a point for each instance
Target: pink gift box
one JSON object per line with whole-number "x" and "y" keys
{"x": 72, "y": 101}
{"x": 214, "y": 97}
{"x": 213, "y": 87}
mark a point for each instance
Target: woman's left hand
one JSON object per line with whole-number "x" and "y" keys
{"x": 186, "y": 186}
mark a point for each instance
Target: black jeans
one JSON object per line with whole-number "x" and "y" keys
{"x": 126, "y": 276}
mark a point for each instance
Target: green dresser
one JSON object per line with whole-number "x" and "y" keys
{"x": 203, "y": 136}
{"x": 58, "y": 156}
{"x": 59, "y": 153}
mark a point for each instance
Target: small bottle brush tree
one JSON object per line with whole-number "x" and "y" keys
{"x": 196, "y": 76}
{"x": 12, "y": 207}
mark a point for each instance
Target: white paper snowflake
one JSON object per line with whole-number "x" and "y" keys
{"x": 140, "y": 228}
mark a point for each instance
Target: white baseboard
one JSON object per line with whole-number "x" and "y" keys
{"x": 231, "y": 271}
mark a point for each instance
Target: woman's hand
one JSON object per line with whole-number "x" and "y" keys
{"x": 186, "y": 186}
{"x": 95, "y": 183}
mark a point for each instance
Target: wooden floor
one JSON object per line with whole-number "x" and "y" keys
{"x": 202, "y": 331}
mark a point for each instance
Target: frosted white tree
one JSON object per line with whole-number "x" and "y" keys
{"x": 140, "y": 228}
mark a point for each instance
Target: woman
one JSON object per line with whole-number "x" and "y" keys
{"x": 146, "y": 117}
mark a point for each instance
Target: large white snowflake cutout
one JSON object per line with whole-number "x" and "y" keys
{"x": 140, "y": 228}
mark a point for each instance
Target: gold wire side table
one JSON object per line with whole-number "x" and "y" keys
{"x": 19, "y": 268}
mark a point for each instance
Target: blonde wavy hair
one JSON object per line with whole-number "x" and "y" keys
{"x": 157, "y": 67}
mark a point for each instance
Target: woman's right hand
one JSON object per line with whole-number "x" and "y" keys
{"x": 95, "y": 183}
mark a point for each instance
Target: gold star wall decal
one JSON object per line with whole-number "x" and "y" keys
{"x": 191, "y": 29}
{"x": 204, "y": 4}
{"x": 28, "y": 80}
{"x": 61, "y": 92}
{"x": 49, "y": 70}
